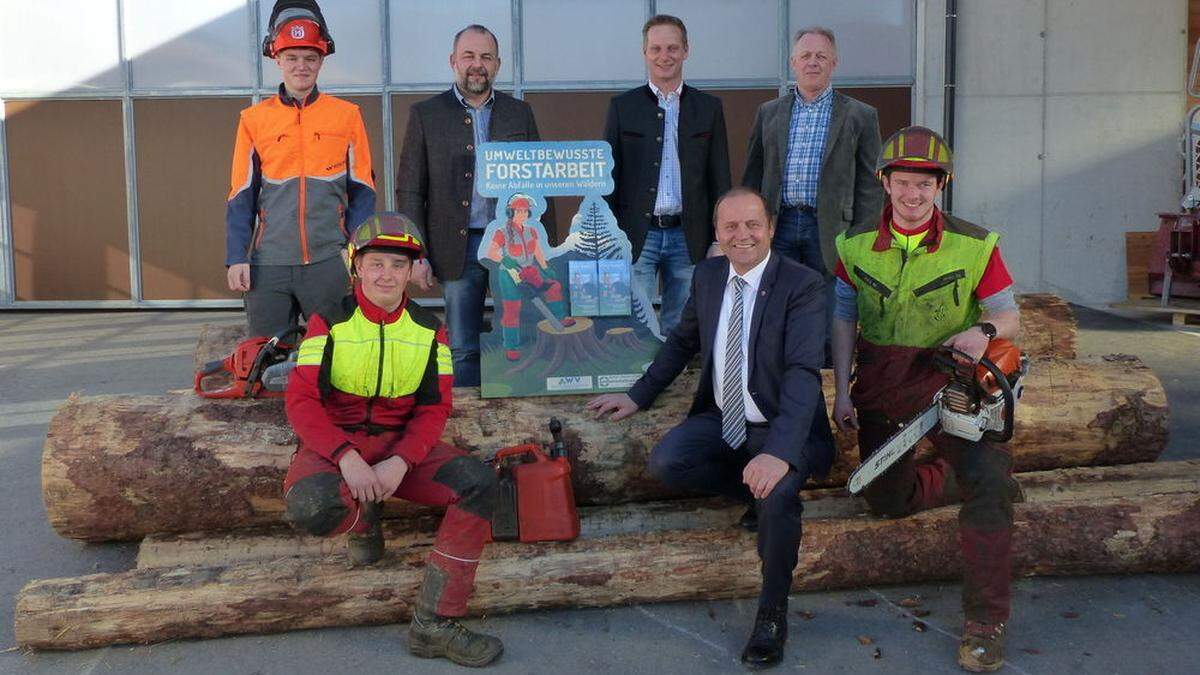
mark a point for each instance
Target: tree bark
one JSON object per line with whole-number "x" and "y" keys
{"x": 1124, "y": 520}
{"x": 125, "y": 467}
{"x": 1047, "y": 329}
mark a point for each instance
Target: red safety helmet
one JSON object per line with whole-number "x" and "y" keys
{"x": 299, "y": 33}
{"x": 519, "y": 202}
{"x": 390, "y": 232}
{"x": 916, "y": 147}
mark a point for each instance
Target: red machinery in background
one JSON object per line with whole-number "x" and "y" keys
{"x": 1174, "y": 266}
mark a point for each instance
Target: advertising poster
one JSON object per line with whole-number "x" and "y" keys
{"x": 566, "y": 320}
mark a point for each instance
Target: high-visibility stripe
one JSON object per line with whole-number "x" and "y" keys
{"x": 311, "y": 350}
{"x": 444, "y": 362}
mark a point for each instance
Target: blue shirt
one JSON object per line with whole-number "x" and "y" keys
{"x": 669, "y": 199}
{"x": 806, "y": 144}
{"x": 482, "y": 208}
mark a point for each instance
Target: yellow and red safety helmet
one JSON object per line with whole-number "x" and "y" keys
{"x": 916, "y": 147}
{"x": 390, "y": 232}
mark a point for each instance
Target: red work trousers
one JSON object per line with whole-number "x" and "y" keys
{"x": 446, "y": 477}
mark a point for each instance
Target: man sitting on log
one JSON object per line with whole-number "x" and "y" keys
{"x": 758, "y": 427}
{"x": 369, "y": 400}
{"x": 917, "y": 280}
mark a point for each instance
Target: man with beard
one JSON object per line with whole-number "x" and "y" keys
{"x": 435, "y": 185}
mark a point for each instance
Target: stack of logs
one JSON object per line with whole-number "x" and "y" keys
{"x": 199, "y": 483}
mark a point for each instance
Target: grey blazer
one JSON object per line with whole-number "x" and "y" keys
{"x": 435, "y": 178}
{"x": 849, "y": 193}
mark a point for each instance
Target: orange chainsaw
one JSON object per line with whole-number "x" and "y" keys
{"x": 248, "y": 366}
{"x": 978, "y": 402}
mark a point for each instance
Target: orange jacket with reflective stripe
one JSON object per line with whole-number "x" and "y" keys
{"x": 301, "y": 181}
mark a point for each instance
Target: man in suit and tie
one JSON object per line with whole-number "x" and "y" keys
{"x": 812, "y": 155}
{"x": 671, "y": 158}
{"x": 758, "y": 426}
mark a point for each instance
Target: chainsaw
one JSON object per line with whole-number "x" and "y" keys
{"x": 978, "y": 402}
{"x": 250, "y": 365}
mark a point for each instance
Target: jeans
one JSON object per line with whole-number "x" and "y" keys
{"x": 798, "y": 237}
{"x": 464, "y": 314}
{"x": 665, "y": 251}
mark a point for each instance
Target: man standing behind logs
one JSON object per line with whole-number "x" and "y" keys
{"x": 671, "y": 162}
{"x": 758, "y": 427}
{"x": 917, "y": 280}
{"x": 369, "y": 400}
{"x": 301, "y": 183}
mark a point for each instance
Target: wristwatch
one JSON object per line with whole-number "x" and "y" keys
{"x": 989, "y": 329}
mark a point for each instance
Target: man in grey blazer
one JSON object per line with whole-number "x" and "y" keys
{"x": 812, "y": 155}
{"x": 435, "y": 185}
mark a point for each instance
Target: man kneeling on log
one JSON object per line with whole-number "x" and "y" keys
{"x": 917, "y": 280}
{"x": 369, "y": 400}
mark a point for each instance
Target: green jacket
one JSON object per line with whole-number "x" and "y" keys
{"x": 916, "y": 299}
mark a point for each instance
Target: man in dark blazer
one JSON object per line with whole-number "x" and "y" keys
{"x": 435, "y": 185}
{"x": 671, "y": 158}
{"x": 812, "y": 155}
{"x": 758, "y": 426}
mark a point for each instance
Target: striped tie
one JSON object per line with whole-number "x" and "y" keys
{"x": 733, "y": 408}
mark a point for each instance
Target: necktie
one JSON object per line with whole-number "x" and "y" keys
{"x": 733, "y": 408}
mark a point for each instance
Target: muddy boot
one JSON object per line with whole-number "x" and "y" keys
{"x": 982, "y": 647}
{"x": 432, "y": 636}
{"x": 367, "y": 548}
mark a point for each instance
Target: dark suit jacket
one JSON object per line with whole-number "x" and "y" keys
{"x": 634, "y": 128}
{"x": 435, "y": 179}
{"x": 849, "y": 193}
{"x": 786, "y": 350}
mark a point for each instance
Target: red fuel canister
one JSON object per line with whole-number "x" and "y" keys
{"x": 545, "y": 500}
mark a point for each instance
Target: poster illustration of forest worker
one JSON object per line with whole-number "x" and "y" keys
{"x": 566, "y": 319}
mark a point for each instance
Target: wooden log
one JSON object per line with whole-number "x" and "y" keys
{"x": 1047, "y": 330}
{"x": 125, "y": 467}
{"x": 1089, "y": 528}
{"x": 270, "y": 543}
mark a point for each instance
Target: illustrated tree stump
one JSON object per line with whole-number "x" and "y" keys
{"x": 619, "y": 340}
{"x": 554, "y": 346}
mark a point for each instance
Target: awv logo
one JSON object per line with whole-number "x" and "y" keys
{"x": 569, "y": 383}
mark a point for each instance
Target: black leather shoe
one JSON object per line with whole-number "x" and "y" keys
{"x": 749, "y": 520}
{"x": 765, "y": 647}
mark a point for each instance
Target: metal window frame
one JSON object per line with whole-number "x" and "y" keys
{"x": 128, "y": 93}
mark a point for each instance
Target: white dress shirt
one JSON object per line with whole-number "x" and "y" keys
{"x": 749, "y": 295}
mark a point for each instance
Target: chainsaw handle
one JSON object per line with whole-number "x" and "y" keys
{"x": 211, "y": 368}
{"x": 1010, "y": 402}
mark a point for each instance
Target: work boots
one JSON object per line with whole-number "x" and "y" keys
{"x": 431, "y": 636}
{"x": 982, "y": 647}
{"x": 367, "y": 548}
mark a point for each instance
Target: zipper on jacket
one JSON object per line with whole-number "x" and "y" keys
{"x": 941, "y": 281}
{"x": 300, "y": 214}
{"x": 379, "y": 375}
{"x": 875, "y": 284}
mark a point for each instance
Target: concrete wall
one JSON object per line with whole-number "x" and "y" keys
{"x": 1068, "y": 129}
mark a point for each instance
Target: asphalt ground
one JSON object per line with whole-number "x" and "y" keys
{"x": 1100, "y": 624}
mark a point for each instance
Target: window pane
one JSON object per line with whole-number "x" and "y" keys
{"x": 875, "y": 38}
{"x": 32, "y": 57}
{"x": 354, "y": 27}
{"x": 422, "y": 35}
{"x": 714, "y": 51}
{"x": 570, "y": 40}
{"x": 192, "y": 44}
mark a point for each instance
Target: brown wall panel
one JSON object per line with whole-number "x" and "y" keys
{"x": 184, "y": 148}
{"x": 893, "y": 103}
{"x": 371, "y": 108}
{"x": 67, "y": 178}
{"x": 569, "y": 116}
{"x": 740, "y": 107}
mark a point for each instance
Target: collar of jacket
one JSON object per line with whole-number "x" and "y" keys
{"x": 933, "y": 236}
{"x": 375, "y": 313}
{"x": 286, "y": 98}
{"x": 654, "y": 97}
